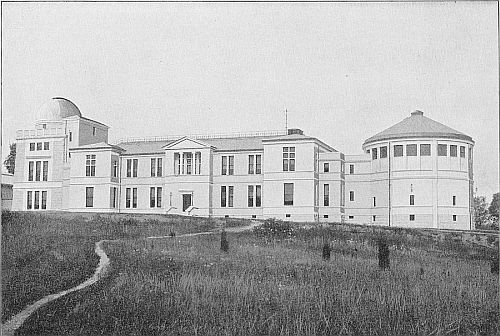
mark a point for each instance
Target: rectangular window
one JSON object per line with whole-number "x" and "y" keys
{"x": 135, "y": 164}
{"x": 398, "y": 150}
{"x": 37, "y": 200}
{"x": 153, "y": 167}
{"x": 31, "y": 165}
{"x": 29, "y": 200}
{"x": 326, "y": 195}
{"x": 425, "y": 150}
{"x": 462, "y": 151}
{"x": 45, "y": 170}
{"x": 454, "y": 200}
{"x": 38, "y": 146}
{"x": 115, "y": 168}
{"x": 159, "y": 191}
{"x": 258, "y": 196}
{"x": 90, "y": 165}
{"x": 45, "y": 146}
{"x": 134, "y": 197}
{"x": 38, "y": 170}
{"x": 374, "y": 153}
{"x": 127, "y": 198}
{"x": 155, "y": 197}
{"x": 411, "y": 150}
{"x": 159, "y": 167}
{"x": 93, "y": 131}
{"x": 383, "y": 152}
{"x": 112, "y": 197}
{"x": 251, "y": 159}
{"x": 374, "y": 218}
{"x": 442, "y": 150}
{"x": 89, "y": 197}
{"x": 70, "y": 136}
{"x": 374, "y": 201}
{"x": 288, "y": 158}
{"x": 188, "y": 160}
{"x": 351, "y": 169}
{"x": 152, "y": 197}
{"x": 224, "y": 165}
{"x": 44, "y": 200}
{"x": 351, "y": 196}
{"x": 223, "y": 196}
{"x": 250, "y": 196}
{"x": 453, "y": 150}
{"x": 177, "y": 163}
{"x": 197, "y": 163}
{"x": 454, "y": 218}
{"x": 32, "y": 146}
{"x": 412, "y": 217}
{"x": 129, "y": 167}
{"x": 230, "y": 196}
{"x": 470, "y": 153}
{"x": 326, "y": 167}
{"x": 412, "y": 199}
{"x": 258, "y": 164}
{"x": 288, "y": 194}
{"x": 231, "y": 165}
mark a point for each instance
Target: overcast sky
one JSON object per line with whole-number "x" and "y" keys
{"x": 344, "y": 71}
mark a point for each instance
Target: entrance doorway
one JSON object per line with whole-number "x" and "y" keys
{"x": 187, "y": 200}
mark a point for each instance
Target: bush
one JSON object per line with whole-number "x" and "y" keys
{"x": 274, "y": 227}
{"x": 326, "y": 251}
{"x": 383, "y": 255}
{"x": 224, "y": 244}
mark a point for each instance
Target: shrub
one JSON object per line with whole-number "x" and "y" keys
{"x": 383, "y": 255}
{"x": 224, "y": 244}
{"x": 494, "y": 265}
{"x": 326, "y": 251}
{"x": 274, "y": 227}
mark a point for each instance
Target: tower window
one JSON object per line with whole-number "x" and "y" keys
{"x": 442, "y": 150}
{"x": 93, "y": 131}
{"x": 374, "y": 153}
{"x": 351, "y": 169}
{"x": 351, "y": 196}
{"x": 326, "y": 167}
{"x": 383, "y": 152}
{"x": 411, "y": 150}
{"x": 462, "y": 151}
{"x": 412, "y": 199}
{"x": 398, "y": 150}
{"x": 425, "y": 150}
{"x": 454, "y": 200}
{"x": 453, "y": 150}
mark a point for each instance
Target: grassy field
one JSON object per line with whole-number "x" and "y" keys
{"x": 276, "y": 283}
{"x": 46, "y": 253}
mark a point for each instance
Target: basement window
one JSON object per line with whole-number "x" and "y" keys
{"x": 254, "y": 216}
{"x": 351, "y": 217}
{"x": 325, "y": 216}
{"x": 412, "y": 218}
{"x": 288, "y": 215}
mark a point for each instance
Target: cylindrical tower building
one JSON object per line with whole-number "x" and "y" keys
{"x": 421, "y": 174}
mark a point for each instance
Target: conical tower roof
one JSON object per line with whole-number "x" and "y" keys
{"x": 418, "y": 126}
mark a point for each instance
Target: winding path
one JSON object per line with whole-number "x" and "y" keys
{"x": 10, "y": 327}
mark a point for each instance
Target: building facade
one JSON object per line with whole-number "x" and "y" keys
{"x": 417, "y": 173}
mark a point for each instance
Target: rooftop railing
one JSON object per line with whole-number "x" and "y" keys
{"x": 203, "y": 136}
{"x": 39, "y": 133}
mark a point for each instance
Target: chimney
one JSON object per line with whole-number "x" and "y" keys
{"x": 417, "y": 113}
{"x": 295, "y": 131}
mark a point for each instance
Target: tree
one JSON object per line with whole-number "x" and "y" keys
{"x": 480, "y": 211}
{"x": 495, "y": 203}
{"x": 10, "y": 161}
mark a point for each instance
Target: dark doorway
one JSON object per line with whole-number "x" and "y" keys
{"x": 186, "y": 201}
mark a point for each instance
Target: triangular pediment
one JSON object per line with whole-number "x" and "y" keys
{"x": 187, "y": 143}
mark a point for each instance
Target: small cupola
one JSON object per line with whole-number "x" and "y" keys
{"x": 417, "y": 113}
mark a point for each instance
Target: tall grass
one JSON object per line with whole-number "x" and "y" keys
{"x": 279, "y": 285}
{"x": 46, "y": 253}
